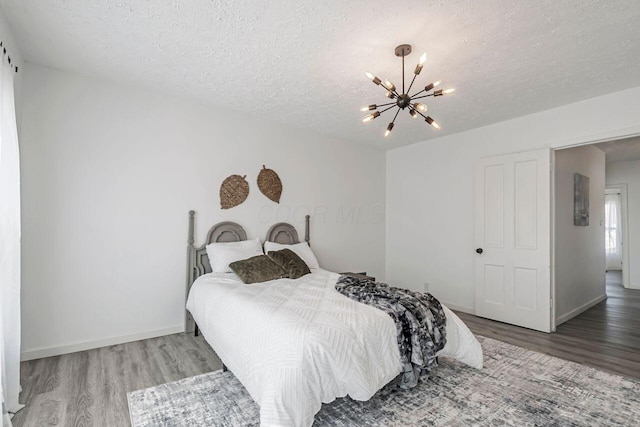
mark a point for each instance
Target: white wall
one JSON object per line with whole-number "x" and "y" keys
{"x": 579, "y": 250}
{"x": 109, "y": 173}
{"x": 430, "y": 188}
{"x": 629, "y": 173}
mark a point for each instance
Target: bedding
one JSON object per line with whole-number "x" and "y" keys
{"x": 295, "y": 344}
{"x": 222, "y": 254}
{"x": 419, "y": 318}
{"x": 290, "y": 262}
{"x": 303, "y": 250}
{"x": 258, "y": 269}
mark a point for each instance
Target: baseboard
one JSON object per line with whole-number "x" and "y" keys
{"x": 461, "y": 308}
{"x": 584, "y": 307}
{"x": 39, "y": 353}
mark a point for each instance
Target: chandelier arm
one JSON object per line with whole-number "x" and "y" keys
{"x": 387, "y": 109}
{"x": 393, "y": 91}
{"x": 412, "y": 80}
{"x": 384, "y": 105}
{"x": 420, "y": 97}
{"x": 396, "y": 116}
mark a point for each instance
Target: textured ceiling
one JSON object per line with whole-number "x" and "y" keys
{"x": 302, "y": 62}
{"x": 621, "y": 150}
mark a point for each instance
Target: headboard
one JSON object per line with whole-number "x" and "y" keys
{"x": 219, "y": 233}
{"x": 286, "y": 234}
{"x": 198, "y": 262}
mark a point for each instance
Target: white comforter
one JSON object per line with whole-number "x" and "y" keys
{"x": 295, "y": 344}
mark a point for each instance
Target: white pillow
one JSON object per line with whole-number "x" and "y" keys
{"x": 222, "y": 254}
{"x": 301, "y": 249}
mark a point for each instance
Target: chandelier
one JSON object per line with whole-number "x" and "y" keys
{"x": 403, "y": 100}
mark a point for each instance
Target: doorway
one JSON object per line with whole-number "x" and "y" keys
{"x": 592, "y": 253}
{"x": 616, "y": 234}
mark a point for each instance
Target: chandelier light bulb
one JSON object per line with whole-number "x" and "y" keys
{"x": 430, "y": 86}
{"x": 423, "y": 59}
{"x": 369, "y": 107}
{"x": 421, "y": 107}
{"x": 432, "y": 122}
{"x": 389, "y": 129}
{"x": 371, "y": 117}
{"x": 390, "y": 95}
{"x": 413, "y": 113}
{"x": 390, "y": 86}
{"x": 373, "y": 78}
{"x": 443, "y": 92}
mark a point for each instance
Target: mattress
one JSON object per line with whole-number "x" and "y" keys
{"x": 295, "y": 344}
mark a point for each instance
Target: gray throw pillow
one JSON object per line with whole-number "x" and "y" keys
{"x": 257, "y": 269}
{"x": 290, "y": 262}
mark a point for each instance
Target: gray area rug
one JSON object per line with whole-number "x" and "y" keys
{"x": 517, "y": 387}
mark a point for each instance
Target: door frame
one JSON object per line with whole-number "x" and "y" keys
{"x": 625, "y": 230}
{"x": 612, "y": 135}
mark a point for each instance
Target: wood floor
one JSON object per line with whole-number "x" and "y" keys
{"x": 89, "y": 388}
{"x": 606, "y": 336}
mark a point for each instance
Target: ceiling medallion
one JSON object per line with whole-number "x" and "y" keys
{"x": 404, "y": 100}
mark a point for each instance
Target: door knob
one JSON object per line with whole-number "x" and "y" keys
{"x": 479, "y": 250}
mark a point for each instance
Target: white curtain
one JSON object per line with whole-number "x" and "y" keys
{"x": 9, "y": 248}
{"x": 613, "y": 232}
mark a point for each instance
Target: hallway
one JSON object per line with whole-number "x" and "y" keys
{"x": 614, "y": 321}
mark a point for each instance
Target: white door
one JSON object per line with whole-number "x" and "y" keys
{"x": 513, "y": 229}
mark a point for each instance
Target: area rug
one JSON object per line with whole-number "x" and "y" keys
{"x": 517, "y": 387}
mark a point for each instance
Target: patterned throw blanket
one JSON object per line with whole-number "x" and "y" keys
{"x": 419, "y": 318}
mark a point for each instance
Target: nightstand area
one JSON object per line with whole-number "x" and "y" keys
{"x": 361, "y": 275}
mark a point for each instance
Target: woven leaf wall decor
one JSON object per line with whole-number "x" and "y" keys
{"x": 233, "y": 191}
{"x": 269, "y": 184}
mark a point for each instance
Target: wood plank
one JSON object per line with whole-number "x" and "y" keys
{"x": 606, "y": 337}
{"x": 90, "y": 388}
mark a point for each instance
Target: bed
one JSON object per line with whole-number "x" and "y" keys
{"x": 295, "y": 344}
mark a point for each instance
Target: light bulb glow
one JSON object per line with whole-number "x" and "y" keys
{"x": 373, "y": 78}
{"x": 390, "y": 86}
{"x": 432, "y": 122}
{"x": 421, "y": 107}
{"x": 371, "y": 117}
{"x": 369, "y": 107}
{"x": 413, "y": 113}
{"x": 430, "y": 86}
{"x": 448, "y": 91}
{"x": 389, "y": 129}
{"x": 423, "y": 59}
